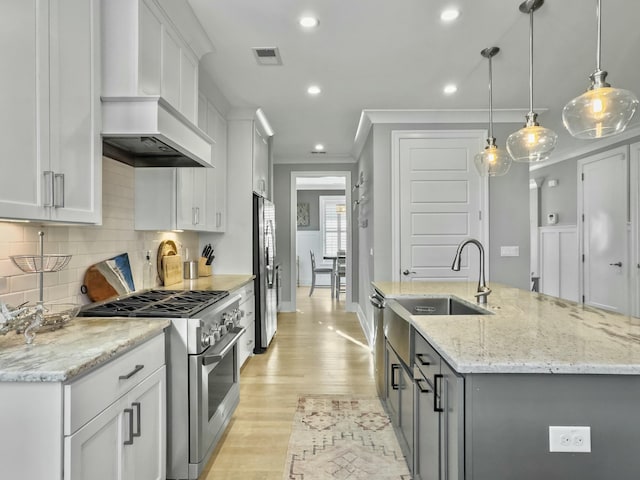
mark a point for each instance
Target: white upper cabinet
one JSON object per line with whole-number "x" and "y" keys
{"x": 145, "y": 54}
{"x": 260, "y": 161}
{"x": 191, "y": 198}
{"x": 172, "y": 199}
{"x": 214, "y": 125}
{"x": 51, "y": 111}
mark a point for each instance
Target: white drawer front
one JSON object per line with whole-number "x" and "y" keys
{"x": 87, "y": 396}
{"x": 245, "y": 292}
{"x": 248, "y": 310}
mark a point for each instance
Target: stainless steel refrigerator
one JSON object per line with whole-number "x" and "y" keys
{"x": 264, "y": 268}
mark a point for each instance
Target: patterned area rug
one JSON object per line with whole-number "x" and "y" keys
{"x": 345, "y": 438}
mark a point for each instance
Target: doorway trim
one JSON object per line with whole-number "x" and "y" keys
{"x": 293, "y": 227}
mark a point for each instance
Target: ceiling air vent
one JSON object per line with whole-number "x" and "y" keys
{"x": 267, "y": 55}
{"x": 317, "y": 152}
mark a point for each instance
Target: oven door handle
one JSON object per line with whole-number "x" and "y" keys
{"x": 214, "y": 358}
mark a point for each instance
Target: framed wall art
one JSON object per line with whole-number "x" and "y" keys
{"x": 303, "y": 215}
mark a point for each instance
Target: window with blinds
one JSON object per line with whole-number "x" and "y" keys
{"x": 333, "y": 219}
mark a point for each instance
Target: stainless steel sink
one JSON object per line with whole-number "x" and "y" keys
{"x": 439, "y": 306}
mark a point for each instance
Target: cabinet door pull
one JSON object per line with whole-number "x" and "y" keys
{"x": 420, "y": 357}
{"x": 419, "y": 383}
{"x": 129, "y": 411}
{"x": 131, "y": 373}
{"x": 137, "y": 433}
{"x": 218, "y": 219}
{"x": 437, "y": 392}
{"x": 48, "y": 188}
{"x": 394, "y": 384}
{"x": 58, "y": 190}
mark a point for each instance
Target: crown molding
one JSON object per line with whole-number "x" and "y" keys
{"x": 369, "y": 117}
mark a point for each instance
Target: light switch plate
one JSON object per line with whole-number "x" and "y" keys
{"x": 510, "y": 251}
{"x": 570, "y": 439}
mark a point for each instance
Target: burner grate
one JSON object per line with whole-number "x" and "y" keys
{"x": 158, "y": 303}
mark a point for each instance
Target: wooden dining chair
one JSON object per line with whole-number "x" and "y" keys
{"x": 341, "y": 272}
{"x": 317, "y": 270}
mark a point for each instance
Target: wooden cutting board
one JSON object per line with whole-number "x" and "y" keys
{"x": 172, "y": 269}
{"x": 166, "y": 247}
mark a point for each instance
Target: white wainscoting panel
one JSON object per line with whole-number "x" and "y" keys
{"x": 559, "y": 261}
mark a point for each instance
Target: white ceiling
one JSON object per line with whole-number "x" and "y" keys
{"x": 397, "y": 54}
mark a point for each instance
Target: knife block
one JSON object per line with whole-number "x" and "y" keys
{"x": 204, "y": 270}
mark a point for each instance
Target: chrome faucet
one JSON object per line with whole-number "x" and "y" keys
{"x": 483, "y": 290}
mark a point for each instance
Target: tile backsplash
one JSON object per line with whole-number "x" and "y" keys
{"x": 86, "y": 244}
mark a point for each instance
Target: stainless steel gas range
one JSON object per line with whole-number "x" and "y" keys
{"x": 202, "y": 367}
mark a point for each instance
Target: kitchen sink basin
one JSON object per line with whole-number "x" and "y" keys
{"x": 439, "y": 306}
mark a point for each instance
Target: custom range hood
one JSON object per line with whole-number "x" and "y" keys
{"x": 148, "y": 132}
{"x": 150, "y": 74}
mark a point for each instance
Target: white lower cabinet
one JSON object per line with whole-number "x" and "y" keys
{"x": 247, "y": 343}
{"x": 125, "y": 441}
{"x": 115, "y": 418}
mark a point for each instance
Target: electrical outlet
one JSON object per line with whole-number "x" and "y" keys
{"x": 570, "y": 439}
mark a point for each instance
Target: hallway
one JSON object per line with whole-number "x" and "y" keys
{"x": 318, "y": 349}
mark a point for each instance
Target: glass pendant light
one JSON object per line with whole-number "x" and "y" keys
{"x": 601, "y": 111}
{"x": 492, "y": 161}
{"x": 532, "y": 143}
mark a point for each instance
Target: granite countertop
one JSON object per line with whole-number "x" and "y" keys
{"x": 527, "y": 333}
{"x": 82, "y": 344}
{"x": 214, "y": 282}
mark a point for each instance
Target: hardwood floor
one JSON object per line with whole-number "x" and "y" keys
{"x": 318, "y": 349}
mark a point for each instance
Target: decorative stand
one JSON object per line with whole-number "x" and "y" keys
{"x": 40, "y": 264}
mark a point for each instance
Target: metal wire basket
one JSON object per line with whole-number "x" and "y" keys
{"x": 41, "y": 263}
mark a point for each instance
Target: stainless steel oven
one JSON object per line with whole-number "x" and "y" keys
{"x": 214, "y": 393}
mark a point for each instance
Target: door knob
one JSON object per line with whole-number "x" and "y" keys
{"x": 407, "y": 272}
{"x": 617, "y": 264}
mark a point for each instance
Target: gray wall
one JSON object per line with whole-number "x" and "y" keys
{"x": 508, "y": 205}
{"x": 282, "y": 201}
{"x": 312, "y": 197}
{"x": 562, "y": 199}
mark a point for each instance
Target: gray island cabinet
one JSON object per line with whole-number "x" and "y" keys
{"x": 487, "y": 388}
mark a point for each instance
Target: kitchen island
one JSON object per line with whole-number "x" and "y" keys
{"x": 502, "y": 379}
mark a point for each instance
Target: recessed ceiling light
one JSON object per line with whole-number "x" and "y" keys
{"x": 450, "y": 89}
{"x": 313, "y": 90}
{"x": 309, "y": 22}
{"x": 449, "y": 15}
{"x": 319, "y": 147}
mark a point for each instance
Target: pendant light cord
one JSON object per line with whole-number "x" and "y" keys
{"x": 531, "y": 61}
{"x": 490, "y": 101}
{"x": 599, "y": 20}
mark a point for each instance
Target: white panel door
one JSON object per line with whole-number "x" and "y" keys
{"x": 440, "y": 204}
{"x": 603, "y": 195}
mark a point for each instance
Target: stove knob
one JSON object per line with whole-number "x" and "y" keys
{"x": 222, "y": 329}
{"x": 230, "y": 325}
{"x": 217, "y": 335}
{"x": 205, "y": 340}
